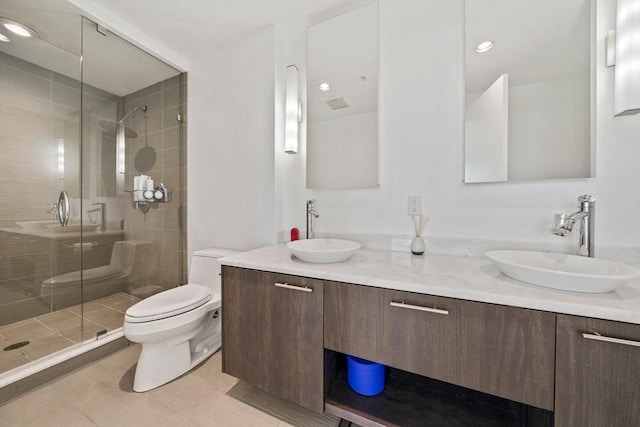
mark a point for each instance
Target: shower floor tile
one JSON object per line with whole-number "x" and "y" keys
{"x": 11, "y": 359}
{"x": 55, "y": 331}
{"x": 59, "y": 320}
{"x": 25, "y": 330}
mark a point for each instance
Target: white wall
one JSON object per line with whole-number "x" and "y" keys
{"x": 231, "y": 161}
{"x": 421, "y": 114}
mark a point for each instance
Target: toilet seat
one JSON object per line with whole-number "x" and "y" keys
{"x": 168, "y": 303}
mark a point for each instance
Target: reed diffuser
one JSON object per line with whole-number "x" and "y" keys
{"x": 417, "y": 244}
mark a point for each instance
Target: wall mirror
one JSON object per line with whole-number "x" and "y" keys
{"x": 342, "y": 101}
{"x": 529, "y": 97}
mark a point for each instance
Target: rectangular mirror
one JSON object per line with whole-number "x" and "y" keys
{"x": 529, "y": 96}
{"x": 342, "y": 101}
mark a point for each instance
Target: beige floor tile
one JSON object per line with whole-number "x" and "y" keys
{"x": 12, "y": 358}
{"x": 222, "y": 410}
{"x": 101, "y": 394}
{"x": 122, "y": 303}
{"x": 45, "y": 345}
{"x": 87, "y": 332}
{"x": 106, "y": 317}
{"x": 26, "y": 330}
{"x": 87, "y": 308}
{"x": 42, "y": 408}
{"x": 59, "y": 320}
{"x": 211, "y": 371}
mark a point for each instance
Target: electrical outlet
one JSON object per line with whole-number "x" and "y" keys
{"x": 415, "y": 205}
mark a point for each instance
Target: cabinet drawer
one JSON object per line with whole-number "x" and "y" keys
{"x": 351, "y": 319}
{"x": 272, "y": 333}
{"x": 597, "y": 373}
{"x": 500, "y": 350}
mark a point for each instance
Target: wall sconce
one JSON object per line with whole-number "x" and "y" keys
{"x": 293, "y": 112}
{"x": 627, "y": 60}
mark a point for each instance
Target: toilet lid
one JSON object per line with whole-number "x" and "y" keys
{"x": 169, "y": 303}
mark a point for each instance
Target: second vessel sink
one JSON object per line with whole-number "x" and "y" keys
{"x": 562, "y": 271}
{"x": 323, "y": 251}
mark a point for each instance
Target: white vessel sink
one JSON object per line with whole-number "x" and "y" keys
{"x": 323, "y": 251}
{"x": 561, "y": 271}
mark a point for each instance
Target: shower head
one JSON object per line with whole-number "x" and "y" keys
{"x": 112, "y": 127}
{"x": 142, "y": 107}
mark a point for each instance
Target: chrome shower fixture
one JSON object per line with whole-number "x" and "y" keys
{"x": 112, "y": 127}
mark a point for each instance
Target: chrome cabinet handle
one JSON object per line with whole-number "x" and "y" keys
{"x": 293, "y": 287}
{"x": 419, "y": 308}
{"x": 63, "y": 208}
{"x": 597, "y": 337}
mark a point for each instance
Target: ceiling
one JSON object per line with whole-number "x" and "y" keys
{"x": 194, "y": 27}
{"x": 190, "y": 27}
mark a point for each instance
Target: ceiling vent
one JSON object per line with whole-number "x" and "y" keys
{"x": 339, "y": 103}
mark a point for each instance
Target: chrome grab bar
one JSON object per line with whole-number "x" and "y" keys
{"x": 418, "y": 307}
{"x": 63, "y": 208}
{"x": 293, "y": 287}
{"x": 597, "y": 337}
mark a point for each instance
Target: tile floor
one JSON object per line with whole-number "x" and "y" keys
{"x": 55, "y": 331}
{"x": 101, "y": 395}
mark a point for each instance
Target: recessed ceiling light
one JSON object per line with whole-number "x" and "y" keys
{"x": 18, "y": 28}
{"x": 3, "y": 38}
{"x": 484, "y": 46}
{"x": 324, "y": 86}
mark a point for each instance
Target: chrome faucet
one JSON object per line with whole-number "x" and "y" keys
{"x": 103, "y": 215}
{"x": 53, "y": 210}
{"x": 311, "y": 213}
{"x": 563, "y": 225}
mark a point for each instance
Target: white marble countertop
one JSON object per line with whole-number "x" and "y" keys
{"x": 468, "y": 278}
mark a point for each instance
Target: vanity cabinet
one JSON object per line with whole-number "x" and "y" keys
{"x": 351, "y": 319}
{"x": 500, "y": 350}
{"x": 272, "y": 333}
{"x": 597, "y": 373}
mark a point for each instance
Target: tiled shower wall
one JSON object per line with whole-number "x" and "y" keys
{"x": 159, "y": 151}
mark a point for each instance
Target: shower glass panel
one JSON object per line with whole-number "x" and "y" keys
{"x": 128, "y": 129}
{"x": 82, "y": 113}
{"x": 40, "y": 149}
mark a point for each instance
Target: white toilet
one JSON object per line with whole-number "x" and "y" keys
{"x": 178, "y": 328}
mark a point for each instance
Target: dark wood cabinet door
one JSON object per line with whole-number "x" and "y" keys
{"x": 597, "y": 378}
{"x": 272, "y": 333}
{"x": 351, "y": 319}
{"x": 500, "y": 350}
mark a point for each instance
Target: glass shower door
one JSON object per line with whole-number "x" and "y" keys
{"x": 40, "y": 260}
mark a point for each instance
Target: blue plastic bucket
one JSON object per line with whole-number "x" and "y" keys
{"x": 365, "y": 377}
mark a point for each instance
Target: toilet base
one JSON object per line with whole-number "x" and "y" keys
{"x": 161, "y": 362}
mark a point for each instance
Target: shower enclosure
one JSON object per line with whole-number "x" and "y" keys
{"x": 83, "y": 114}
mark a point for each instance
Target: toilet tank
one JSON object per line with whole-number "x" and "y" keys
{"x": 205, "y": 269}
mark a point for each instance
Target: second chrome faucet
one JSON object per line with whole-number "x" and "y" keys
{"x": 311, "y": 214}
{"x": 563, "y": 225}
